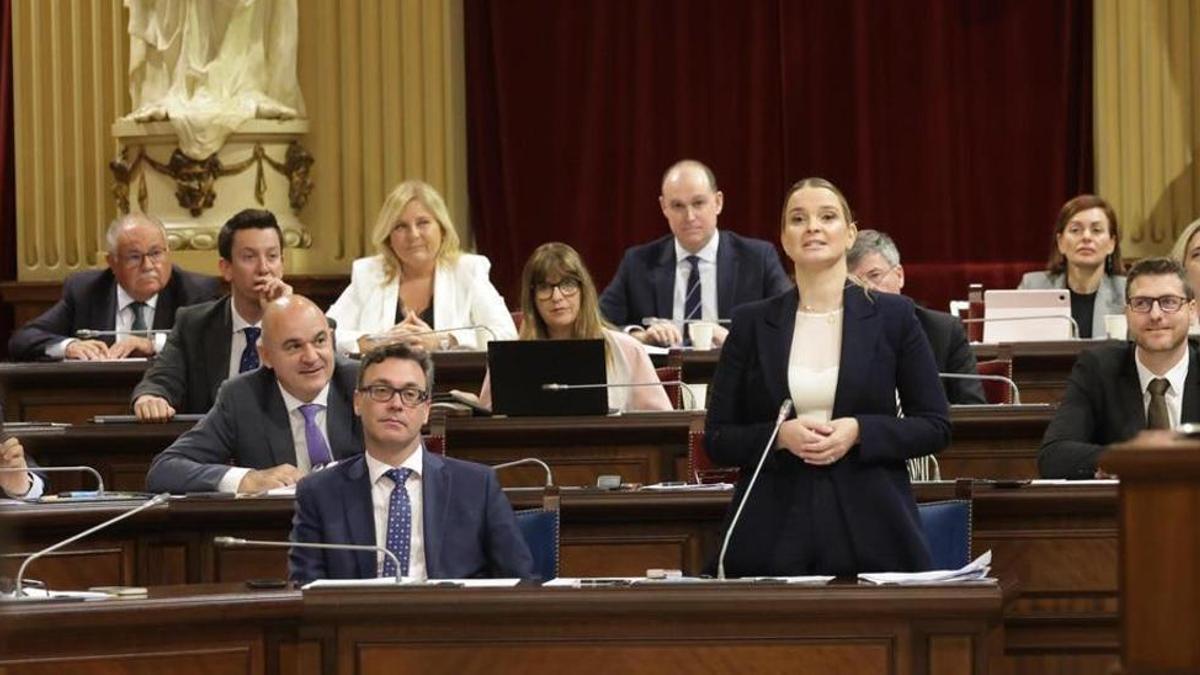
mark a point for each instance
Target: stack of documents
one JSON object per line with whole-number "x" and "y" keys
{"x": 975, "y": 571}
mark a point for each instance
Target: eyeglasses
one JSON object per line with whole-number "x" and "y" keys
{"x": 877, "y": 275}
{"x": 134, "y": 260}
{"x": 1167, "y": 303}
{"x": 409, "y": 396}
{"x": 567, "y": 287}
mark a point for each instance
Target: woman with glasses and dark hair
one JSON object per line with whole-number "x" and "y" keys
{"x": 1085, "y": 258}
{"x": 559, "y": 302}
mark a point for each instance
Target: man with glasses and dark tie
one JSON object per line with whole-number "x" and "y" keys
{"x": 443, "y": 518}
{"x": 1117, "y": 390}
{"x": 694, "y": 273}
{"x": 275, "y": 424}
{"x": 216, "y": 340}
{"x": 139, "y": 291}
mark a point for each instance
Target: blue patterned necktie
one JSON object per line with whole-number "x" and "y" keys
{"x": 691, "y": 301}
{"x": 318, "y": 449}
{"x": 399, "y": 523}
{"x": 250, "y": 353}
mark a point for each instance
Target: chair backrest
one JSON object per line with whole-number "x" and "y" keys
{"x": 700, "y": 468}
{"x": 540, "y": 528}
{"x": 435, "y": 439}
{"x": 947, "y": 528}
{"x": 671, "y": 374}
{"x": 993, "y": 390}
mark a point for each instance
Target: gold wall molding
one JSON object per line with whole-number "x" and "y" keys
{"x": 1147, "y": 120}
{"x": 383, "y": 80}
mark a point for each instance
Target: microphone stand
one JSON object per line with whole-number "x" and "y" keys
{"x": 238, "y": 542}
{"x": 19, "y": 591}
{"x": 991, "y": 378}
{"x": 61, "y": 469}
{"x": 784, "y": 411}
{"x": 555, "y": 386}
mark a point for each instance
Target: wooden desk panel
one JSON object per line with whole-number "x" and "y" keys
{"x": 715, "y": 628}
{"x": 1058, "y": 541}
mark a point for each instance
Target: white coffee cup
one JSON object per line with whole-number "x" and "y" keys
{"x": 701, "y": 333}
{"x": 1116, "y": 327}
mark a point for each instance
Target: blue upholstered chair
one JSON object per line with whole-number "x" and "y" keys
{"x": 947, "y": 527}
{"x": 540, "y": 529}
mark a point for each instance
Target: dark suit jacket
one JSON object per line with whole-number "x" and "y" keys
{"x": 747, "y": 270}
{"x": 89, "y": 301}
{"x": 470, "y": 529}
{"x": 195, "y": 360}
{"x": 1102, "y": 405}
{"x": 249, "y": 427}
{"x": 883, "y": 350}
{"x": 952, "y": 354}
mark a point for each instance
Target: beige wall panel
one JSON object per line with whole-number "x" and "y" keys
{"x": 1147, "y": 131}
{"x": 382, "y": 80}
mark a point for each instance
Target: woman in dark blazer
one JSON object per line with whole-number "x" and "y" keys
{"x": 834, "y": 495}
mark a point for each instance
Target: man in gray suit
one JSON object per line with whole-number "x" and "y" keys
{"x": 274, "y": 424}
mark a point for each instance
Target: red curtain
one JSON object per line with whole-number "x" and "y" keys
{"x": 958, "y": 127}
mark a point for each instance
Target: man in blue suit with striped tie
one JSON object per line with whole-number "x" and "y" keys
{"x": 696, "y": 272}
{"x": 443, "y": 518}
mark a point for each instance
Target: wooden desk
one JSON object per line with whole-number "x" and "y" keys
{"x": 526, "y": 630}
{"x": 998, "y": 442}
{"x": 73, "y": 391}
{"x": 1040, "y": 369}
{"x": 1059, "y": 541}
{"x": 77, "y": 391}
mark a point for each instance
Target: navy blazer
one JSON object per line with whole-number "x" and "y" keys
{"x": 883, "y": 351}
{"x": 470, "y": 529}
{"x": 644, "y": 285}
{"x": 89, "y": 300}
{"x": 195, "y": 360}
{"x": 1103, "y": 404}
{"x": 249, "y": 427}
{"x": 952, "y": 354}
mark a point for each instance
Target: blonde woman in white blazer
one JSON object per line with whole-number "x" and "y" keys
{"x": 419, "y": 281}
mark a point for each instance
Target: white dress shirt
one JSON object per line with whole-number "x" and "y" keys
{"x": 1174, "y": 394}
{"x": 36, "y": 488}
{"x": 233, "y": 477}
{"x": 123, "y": 321}
{"x": 381, "y": 499}
{"x": 237, "y": 343}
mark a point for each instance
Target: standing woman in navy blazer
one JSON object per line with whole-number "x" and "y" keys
{"x": 834, "y": 495}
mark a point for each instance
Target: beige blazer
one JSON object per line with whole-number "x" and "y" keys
{"x": 462, "y": 296}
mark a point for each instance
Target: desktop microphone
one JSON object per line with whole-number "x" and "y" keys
{"x": 1074, "y": 324}
{"x": 528, "y": 460}
{"x": 986, "y": 378}
{"x": 555, "y": 386}
{"x": 18, "y": 590}
{"x": 61, "y": 469}
{"x": 238, "y": 542}
{"x": 784, "y": 411}
{"x": 87, "y": 333}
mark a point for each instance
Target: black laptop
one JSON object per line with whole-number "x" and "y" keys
{"x": 520, "y": 369}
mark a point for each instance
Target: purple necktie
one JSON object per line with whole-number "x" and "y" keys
{"x": 318, "y": 449}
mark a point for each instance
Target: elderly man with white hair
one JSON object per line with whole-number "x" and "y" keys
{"x": 139, "y": 291}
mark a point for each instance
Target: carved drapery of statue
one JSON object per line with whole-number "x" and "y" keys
{"x": 207, "y": 66}
{"x": 217, "y": 119}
